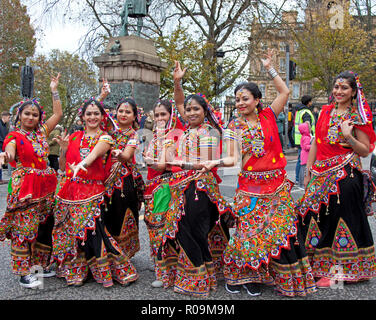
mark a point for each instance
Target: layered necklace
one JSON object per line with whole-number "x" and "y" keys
{"x": 253, "y": 139}
{"x": 38, "y": 141}
{"x": 90, "y": 143}
{"x": 335, "y": 134}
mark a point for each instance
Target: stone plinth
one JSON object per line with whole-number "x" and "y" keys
{"x": 133, "y": 68}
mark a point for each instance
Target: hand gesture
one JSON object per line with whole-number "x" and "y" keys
{"x": 347, "y": 127}
{"x": 4, "y": 158}
{"x": 115, "y": 154}
{"x": 76, "y": 168}
{"x": 62, "y": 140}
{"x": 268, "y": 59}
{"x": 105, "y": 89}
{"x": 178, "y": 73}
{"x": 54, "y": 82}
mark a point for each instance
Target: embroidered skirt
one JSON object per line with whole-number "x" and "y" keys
{"x": 267, "y": 246}
{"x": 81, "y": 243}
{"x": 333, "y": 216}
{"x": 196, "y": 233}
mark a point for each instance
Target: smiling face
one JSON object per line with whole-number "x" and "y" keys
{"x": 161, "y": 116}
{"x": 195, "y": 113}
{"x": 125, "y": 115}
{"x": 245, "y": 102}
{"x": 92, "y": 117}
{"x": 342, "y": 91}
{"x": 29, "y": 117}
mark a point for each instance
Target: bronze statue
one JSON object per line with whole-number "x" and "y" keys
{"x": 134, "y": 9}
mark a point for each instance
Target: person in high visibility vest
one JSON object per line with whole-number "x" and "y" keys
{"x": 302, "y": 114}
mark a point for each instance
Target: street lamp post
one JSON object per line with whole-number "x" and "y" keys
{"x": 220, "y": 54}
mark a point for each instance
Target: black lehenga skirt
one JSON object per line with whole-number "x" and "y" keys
{"x": 191, "y": 260}
{"x": 334, "y": 221}
{"x": 121, "y": 216}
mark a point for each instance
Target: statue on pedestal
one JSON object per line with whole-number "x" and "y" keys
{"x": 134, "y": 9}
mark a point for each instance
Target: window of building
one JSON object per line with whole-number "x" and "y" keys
{"x": 296, "y": 91}
{"x": 262, "y": 88}
{"x": 282, "y": 64}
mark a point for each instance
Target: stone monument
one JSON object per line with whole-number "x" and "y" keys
{"x": 132, "y": 67}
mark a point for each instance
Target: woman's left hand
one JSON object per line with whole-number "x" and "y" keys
{"x": 54, "y": 83}
{"x": 268, "y": 59}
{"x": 76, "y": 168}
{"x": 116, "y": 154}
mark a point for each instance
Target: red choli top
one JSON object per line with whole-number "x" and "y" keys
{"x": 325, "y": 150}
{"x": 273, "y": 160}
{"x": 36, "y": 180}
{"x": 86, "y": 184}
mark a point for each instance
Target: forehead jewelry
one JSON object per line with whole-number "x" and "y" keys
{"x": 341, "y": 80}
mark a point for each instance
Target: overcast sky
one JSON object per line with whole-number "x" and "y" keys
{"x": 52, "y": 34}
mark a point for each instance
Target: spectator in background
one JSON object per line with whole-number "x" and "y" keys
{"x": 4, "y": 129}
{"x": 305, "y": 146}
{"x": 303, "y": 114}
{"x": 218, "y": 114}
{"x": 281, "y": 127}
{"x": 78, "y": 126}
{"x": 54, "y": 147}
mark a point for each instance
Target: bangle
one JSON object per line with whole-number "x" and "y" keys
{"x": 272, "y": 73}
{"x": 187, "y": 166}
{"x": 306, "y": 172}
{"x": 55, "y": 95}
{"x": 220, "y": 163}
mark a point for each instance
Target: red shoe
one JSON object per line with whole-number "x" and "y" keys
{"x": 323, "y": 283}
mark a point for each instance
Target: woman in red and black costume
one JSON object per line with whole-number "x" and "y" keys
{"x": 167, "y": 130}
{"x": 338, "y": 195}
{"x": 124, "y": 185}
{"x": 267, "y": 246}
{"x": 196, "y": 224}
{"x": 81, "y": 241}
{"x": 28, "y": 219}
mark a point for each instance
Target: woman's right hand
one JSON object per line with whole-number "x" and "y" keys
{"x": 178, "y": 73}
{"x": 4, "y": 158}
{"x": 307, "y": 179}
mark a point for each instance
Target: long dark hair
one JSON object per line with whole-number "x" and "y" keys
{"x": 165, "y": 103}
{"x": 90, "y": 102}
{"x": 202, "y": 102}
{"x": 253, "y": 89}
{"x": 132, "y": 103}
{"x": 24, "y": 104}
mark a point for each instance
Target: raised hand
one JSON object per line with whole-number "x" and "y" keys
{"x": 105, "y": 89}
{"x": 178, "y": 73}
{"x": 268, "y": 59}
{"x": 54, "y": 82}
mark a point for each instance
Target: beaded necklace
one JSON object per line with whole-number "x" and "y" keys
{"x": 121, "y": 138}
{"x": 253, "y": 139}
{"x": 38, "y": 142}
{"x": 91, "y": 142}
{"x": 335, "y": 133}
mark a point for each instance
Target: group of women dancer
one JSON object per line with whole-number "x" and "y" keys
{"x": 85, "y": 219}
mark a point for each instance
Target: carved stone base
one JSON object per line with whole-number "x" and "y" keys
{"x": 132, "y": 67}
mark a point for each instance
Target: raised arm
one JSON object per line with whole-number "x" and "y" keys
{"x": 178, "y": 75}
{"x": 283, "y": 91}
{"x": 56, "y": 105}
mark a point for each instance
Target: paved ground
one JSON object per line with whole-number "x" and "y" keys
{"x": 56, "y": 289}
